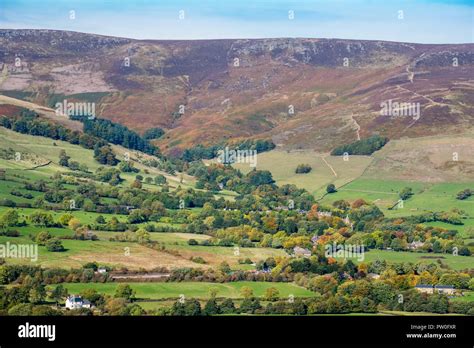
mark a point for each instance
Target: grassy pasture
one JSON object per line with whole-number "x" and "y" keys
{"x": 118, "y": 254}
{"x": 352, "y": 184}
{"x": 462, "y": 229}
{"x": 171, "y": 238}
{"x": 282, "y": 165}
{"x": 213, "y": 255}
{"x": 427, "y": 197}
{"x": 7, "y": 186}
{"x": 46, "y": 149}
{"x": 454, "y": 262}
{"x": 83, "y": 216}
{"x": 194, "y": 289}
{"x": 425, "y": 159}
{"x": 467, "y": 297}
{"x": 416, "y": 314}
{"x": 178, "y": 253}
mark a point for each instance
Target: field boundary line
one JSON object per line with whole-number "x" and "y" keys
{"x": 358, "y": 177}
{"x": 39, "y": 166}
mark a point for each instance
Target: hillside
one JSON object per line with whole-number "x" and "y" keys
{"x": 105, "y": 215}
{"x": 246, "y": 88}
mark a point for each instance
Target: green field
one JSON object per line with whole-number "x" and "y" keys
{"x": 454, "y": 262}
{"x": 348, "y": 176}
{"x": 79, "y": 252}
{"x": 6, "y": 188}
{"x": 384, "y": 193}
{"x": 83, "y": 216}
{"x": 194, "y": 289}
{"x": 468, "y": 296}
{"x": 416, "y": 314}
{"x": 352, "y": 184}
{"x": 462, "y": 229}
{"x": 45, "y": 150}
{"x": 282, "y": 165}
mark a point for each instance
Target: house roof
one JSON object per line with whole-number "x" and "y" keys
{"x": 78, "y": 299}
{"x": 424, "y": 286}
{"x": 75, "y": 298}
{"x": 444, "y": 287}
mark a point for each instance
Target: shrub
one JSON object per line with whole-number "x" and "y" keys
{"x": 198, "y": 259}
{"x": 464, "y": 194}
{"x": 406, "y": 193}
{"x": 42, "y": 238}
{"x": 128, "y": 167}
{"x": 303, "y": 169}
{"x": 12, "y": 233}
{"x": 54, "y": 245}
{"x": 193, "y": 242}
{"x": 160, "y": 180}
{"x": 331, "y": 188}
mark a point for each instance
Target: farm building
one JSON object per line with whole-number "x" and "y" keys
{"x": 445, "y": 289}
{"x": 301, "y": 252}
{"x": 440, "y": 289}
{"x": 415, "y": 245}
{"x": 427, "y": 289}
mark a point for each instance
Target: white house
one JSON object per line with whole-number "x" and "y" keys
{"x": 102, "y": 270}
{"x": 76, "y": 302}
{"x": 415, "y": 245}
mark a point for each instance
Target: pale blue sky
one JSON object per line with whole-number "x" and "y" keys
{"x": 425, "y": 21}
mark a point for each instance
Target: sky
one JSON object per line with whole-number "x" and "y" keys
{"x": 420, "y": 21}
